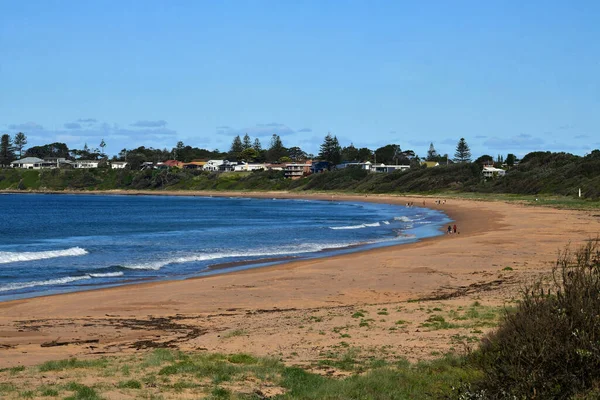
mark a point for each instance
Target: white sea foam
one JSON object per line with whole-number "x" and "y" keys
{"x": 58, "y": 281}
{"x": 106, "y": 274}
{"x": 9, "y": 257}
{"x": 386, "y": 222}
{"x": 403, "y": 219}
{"x": 284, "y": 251}
{"x": 375, "y": 224}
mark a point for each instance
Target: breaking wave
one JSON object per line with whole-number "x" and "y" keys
{"x": 9, "y": 257}
{"x": 58, "y": 281}
{"x": 375, "y": 224}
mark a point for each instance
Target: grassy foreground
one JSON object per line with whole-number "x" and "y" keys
{"x": 165, "y": 374}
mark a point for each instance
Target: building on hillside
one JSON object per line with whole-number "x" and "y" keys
{"x": 297, "y": 170}
{"x": 79, "y": 164}
{"x": 355, "y": 164}
{"x": 388, "y": 168}
{"x": 430, "y": 164}
{"x": 118, "y": 164}
{"x": 319, "y": 166}
{"x": 213, "y": 165}
{"x": 194, "y": 164}
{"x": 242, "y": 167}
{"x": 492, "y": 172}
{"x": 28, "y": 163}
{"x": 227, "y": 166}
{"x": 57, "y": 163}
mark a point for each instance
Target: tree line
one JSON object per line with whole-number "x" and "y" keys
{"x": 246, "y": 149}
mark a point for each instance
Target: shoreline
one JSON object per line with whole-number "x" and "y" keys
{"x": 501, "y": 246}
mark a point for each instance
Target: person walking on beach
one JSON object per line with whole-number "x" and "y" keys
{"x": 449, "y": 229}
{"x": 454, "y": 228}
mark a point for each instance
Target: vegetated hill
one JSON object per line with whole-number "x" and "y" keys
{"x": 552, "y": 173}
{"x": 538, "y": 173}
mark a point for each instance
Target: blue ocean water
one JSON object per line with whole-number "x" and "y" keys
{"x": 62, "y": 243}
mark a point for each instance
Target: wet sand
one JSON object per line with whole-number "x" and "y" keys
{"x": 294, "y": 311}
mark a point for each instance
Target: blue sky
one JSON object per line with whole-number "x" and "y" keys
{"x": 508, "y": 76}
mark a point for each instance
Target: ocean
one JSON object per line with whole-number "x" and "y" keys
{"x": 63, "y": 243}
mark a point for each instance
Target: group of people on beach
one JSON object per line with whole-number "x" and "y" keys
{"x": 440, "y": 202}
{"x": 452, "y": 229}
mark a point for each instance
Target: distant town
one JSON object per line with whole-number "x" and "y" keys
{"x": 244, "y": 155}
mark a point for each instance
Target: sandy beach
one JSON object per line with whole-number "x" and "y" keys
{"x": 298, "y": 310}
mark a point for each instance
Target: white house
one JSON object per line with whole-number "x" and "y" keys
{"x": 85, "y": 163}
{"x": 212, "y": 165}
{"x": 249, "y": 167}
{"x": 118, "y": 164}
{"x": 29, "y": 163}
{"x": 388, "y": 168}
{"x": 491, "y": 172}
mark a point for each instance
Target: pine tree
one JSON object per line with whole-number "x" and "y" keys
{"x": 257, "y": 145}
{"x": 236, "y": 148}
{"x": 432, "y": 154}
{"x": 7, "y": 153}
{"x": 20, "y": 142}
{"x": 102, "y": 146}
{"x": 330, "y": 150}
{"x": 463, "y": 153}
{"x": 247, "y": 143}
{"x": 276, "y": 150}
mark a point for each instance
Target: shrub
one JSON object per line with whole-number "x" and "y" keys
{"x": 550, "y": 346}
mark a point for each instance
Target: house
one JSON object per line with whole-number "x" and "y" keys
{"x": 492, "y": 172}
{"x": 249, "y": 167}
{"x": 362, "y": 165}
{"x": 275, "y": 167}
{"x": 147, "y": 165}
{"x": 297, "y": 170}
{"x": 85, "y": 164}
{"x": 118, "y": 164}
{"x": 28, "y": 163}
{"x": 194, "y": 164}
{"x": 430, "y": 164}
{"x": 388, "y": 168}
{"x": 227, "y": 166}
{"x": 213, "y": 165}
{"x": 57, "y": 163}
{"x": 319, "y": 166}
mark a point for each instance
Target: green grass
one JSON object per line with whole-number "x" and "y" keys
{"x": 72, "y": 363}
{"x": 171, "y": 374}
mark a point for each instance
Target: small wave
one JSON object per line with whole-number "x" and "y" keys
{"x": 106, "y": 275}
{"x": 58, "y": 281}
{"x": 9, "y": 257}
{"x": 403, "y": 219}
{"x": 375, "y": 224}
{"x": 304, "y": 248}
{"x": 386, "y": 222}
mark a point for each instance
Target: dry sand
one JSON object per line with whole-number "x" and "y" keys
{"x": 301, "y": 310}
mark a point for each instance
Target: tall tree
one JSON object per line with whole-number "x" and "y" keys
{"x": 257, "y": 145}
{"x": 296, "y": 154}
{"x": 7, "y": 153}
{"x": 365, "y": 154}
{"x": 236, "y": 148}
{"x": 387, "y": 154}
{"x": 463, "y": 153}
{"x": 432, "y": 154}
{"x": 331, "y": 150}
{"x": 247, "y": 143}
{"x": 511, "y": 159}
{"x": 276, "y": 150}
{"x": 350, "y": 153}
{"x": 102, "y": 146}
{"x": 20, "y": 142}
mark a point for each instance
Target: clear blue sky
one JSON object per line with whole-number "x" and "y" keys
{"x": 508, "y": 76}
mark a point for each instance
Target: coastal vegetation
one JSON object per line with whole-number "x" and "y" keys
{"x": 539, "y": 173}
